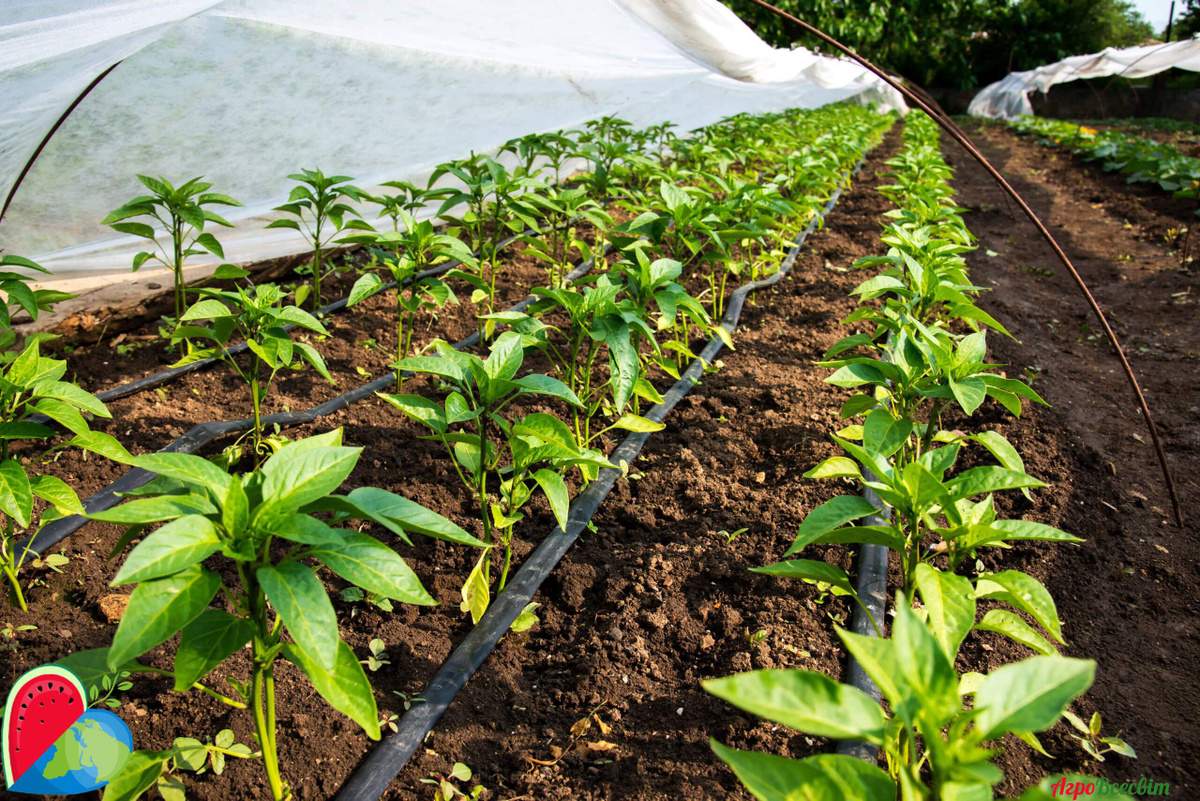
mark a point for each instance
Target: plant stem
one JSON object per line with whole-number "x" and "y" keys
{"x": 400, "y": 343}
{"x": 266, "y": 732}
{"x": 16, "y": 596}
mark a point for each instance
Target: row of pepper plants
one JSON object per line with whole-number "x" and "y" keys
{"x": 1143, "y": 160}
{"x": 917, "y": 365}
{"x": 229, "y": 552}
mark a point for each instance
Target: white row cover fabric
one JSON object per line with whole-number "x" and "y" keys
{"x": 245, "y": 92}
{"x": 1009, "y": 97}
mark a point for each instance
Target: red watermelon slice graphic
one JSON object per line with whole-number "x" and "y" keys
{"x": 53, "y": 744}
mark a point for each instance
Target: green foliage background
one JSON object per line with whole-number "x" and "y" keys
{"x": 959, "y": 43}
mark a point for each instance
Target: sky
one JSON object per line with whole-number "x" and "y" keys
{"x": 1157, "y": 11}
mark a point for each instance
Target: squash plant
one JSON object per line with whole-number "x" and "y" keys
{"x": 182, "y": 214}
{"x": 211, "y": 517}
{"x": 321, "y": 212}
{"x": 491, "y": 453}
{"x": 409, "y": 253}
{"x": 258, "y": 317}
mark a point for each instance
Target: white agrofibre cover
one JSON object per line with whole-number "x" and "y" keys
{"x": 1009, "y": 97}
{"x": 245, "y": 92}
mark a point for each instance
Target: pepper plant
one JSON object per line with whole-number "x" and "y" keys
{"x": 558, "y": 208}
{"x": 493, "y": 207}
{"x": 33, "y": 393}
{"x": 257, "y": 317}
{"x": 407, "y": 255}
{"x": 597, "y": 322}
{"x": 182, "y": 214}
{"x": 19, "y": 296}
{"x": 319, "y": 206}
{"x": 935, "y": 748}
{"x": 497, "y": 459}
{"x": 211, "y": 517}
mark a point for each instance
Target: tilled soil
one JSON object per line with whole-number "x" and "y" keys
{"x": 1128, "y": 595}
{"x": 660, "y": 597}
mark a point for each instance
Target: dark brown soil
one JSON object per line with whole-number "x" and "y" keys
{"x": 656, "y": 599}
{"x": 1128, "y": 596}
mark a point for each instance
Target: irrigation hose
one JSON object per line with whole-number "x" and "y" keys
{"x": 200, "y": 435}
{"x": 965, "y": 141}
{"x": 372, "y": 778}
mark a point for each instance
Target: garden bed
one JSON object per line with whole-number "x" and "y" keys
{"x": 69, "y": 609}
{"x": 1128, "y": 595}
{"x": 602, "y": 697}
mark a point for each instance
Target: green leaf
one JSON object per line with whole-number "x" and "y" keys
{"x": 1029, "y": 530}
{"x": 192, "y": 470}
{"x": 140, "y": 773}
{"x": 185, "y": 541}
{"x": 134, "y": 228}
{"x": 1004, "y": 452}
{"x": 209, "y": 309}
{"x": 293, "y": 478}
{"x": 810, "y": 570}
{"x": 57, "y": 493}
{"x": 806, "y": 701}
{"x": 300, "y": 528}
{"x": 104, "y": 444}
{"x": 159, "y": 608}
{"x": 538, "y": 384}
{"x": 1030, "y": 696}
{"x": 854, "y": 375}
{"x": 368, "y": 563}
{"x": 556, "y": 493}
{"x": 969, "y": 392}
{"x": 152, "y": 510}
{"x": 69, "y": 393}
{"x": 505, "y": 357}
{"x": 62, "y": 413}
{"x": 299, "y": 598}
{"x": 828, "y": 777}
{"x": 25, "y": 430}
{"x": 925, "y": 677}
{"x": 835, "y": 467}
{"x": 16, "y": 496}
{"x": 433, "y": 365}
{"x": 828, "y": 516}
{"x": 1012, "y": 626}
{"x": 883, "y": 434}
{"x": 344, "y": 685}
{"x": 981, "y": 480}
{"x": 1025, "y": 593}
{"x": 206, "y": 642}
{"x": 90, "y": 666}
{"x": 426, "y": 412}
{"x": 399, "y": 514}
{"x": 364, "y": 287}
{"x": 950, "y": 603}
{"x": 228, "y": 272}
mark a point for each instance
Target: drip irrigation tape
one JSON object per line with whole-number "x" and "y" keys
{"x": 171, "y": 373}
{"x": 385, "y": 762}
{"x": 872, "y": 592}
{"x": 55, "y": 532}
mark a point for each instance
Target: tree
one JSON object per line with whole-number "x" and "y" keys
{"x": 958, "y": 43}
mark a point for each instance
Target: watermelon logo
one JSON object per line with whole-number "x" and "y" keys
{"x": 54, "y": 744}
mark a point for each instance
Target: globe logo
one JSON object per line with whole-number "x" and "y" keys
{"x": 54, "y": 744}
